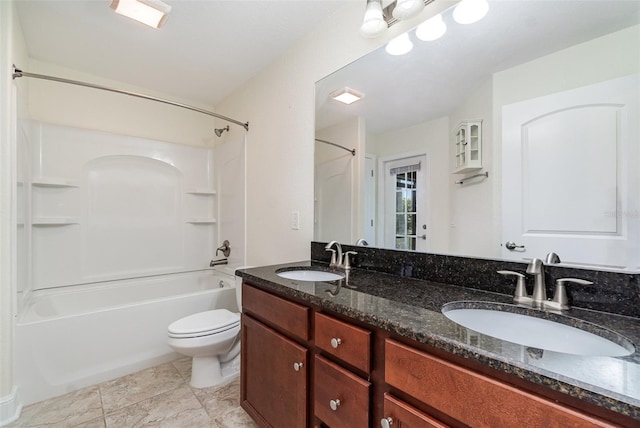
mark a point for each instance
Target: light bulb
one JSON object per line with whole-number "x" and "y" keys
{"x": 470, "y": 11}
{"x": 400, "y": 45}
{"x": 373, "y": 23}
{"x": 431, "y": 29}
{"x": 407, "y": 8}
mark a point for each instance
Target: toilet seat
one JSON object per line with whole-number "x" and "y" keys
{"x": 204, "y": 324}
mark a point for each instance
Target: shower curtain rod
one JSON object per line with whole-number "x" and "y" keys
{"x": 19, "y": 73}
{"x": 352, "y": 151}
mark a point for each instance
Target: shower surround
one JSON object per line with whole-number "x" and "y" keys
{"x": 104, "y": 216}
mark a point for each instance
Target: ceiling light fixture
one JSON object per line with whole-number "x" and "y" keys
{"x": 150, "y": 12}
{"x": 470, "y": 11}
{"x": 373, "y": 23}
{"x": 346, "y": 95}
{"x": 431, "y": 29}
{"x": 406, "y": 9}
{"x": 400, "y": 45}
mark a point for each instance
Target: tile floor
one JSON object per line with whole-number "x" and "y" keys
{"x": 155, "y": 397}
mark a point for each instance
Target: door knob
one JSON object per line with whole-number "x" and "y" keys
{"x": 512, "y": 245}
{"x": 297, "y": 366}
{"x": 386, "y": 422}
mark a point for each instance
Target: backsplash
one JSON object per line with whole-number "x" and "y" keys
{"x": 612, "y": 292}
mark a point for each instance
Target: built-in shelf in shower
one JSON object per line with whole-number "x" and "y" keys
{"x": 201, "y": 220}
{"x": 201, "y": 191}
{"x": 54, "y": 221}
{"x": 52, "y": 182}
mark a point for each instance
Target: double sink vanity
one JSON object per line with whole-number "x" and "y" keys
{"x": 411, "y": 340}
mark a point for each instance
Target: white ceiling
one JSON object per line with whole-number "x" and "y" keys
{"x": 205, "y": 50}
{"x": 434, "y": 78}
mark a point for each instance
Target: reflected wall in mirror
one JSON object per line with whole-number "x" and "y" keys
{"x": 542, "y": 96}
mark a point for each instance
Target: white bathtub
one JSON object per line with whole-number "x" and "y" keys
{"x": 78, "y": 336}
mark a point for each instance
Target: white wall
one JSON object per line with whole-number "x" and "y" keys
{"x": 472, "y": 203}
{"x": 89, "y": 108}
{"x": 279, "y": 104}
{"x": 431, "y": 138}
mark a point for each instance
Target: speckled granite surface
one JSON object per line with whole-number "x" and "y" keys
{"x": 615, "y": 292}
{"x": 411, "y": 308}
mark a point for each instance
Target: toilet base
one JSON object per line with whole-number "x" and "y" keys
{"x": 207, "y": 372}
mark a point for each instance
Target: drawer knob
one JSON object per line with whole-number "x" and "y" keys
{"x": 335, "y": 342}
{"x": 334, "y": 404}
{"x": 297, "y": 366}
{"x": 386, "y": 422}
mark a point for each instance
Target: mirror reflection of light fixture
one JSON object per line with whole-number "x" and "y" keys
{"x": 470, "y": 11}
{"x": 150, "y": 12}
{"x": 431, "y": 29}
{"x": 373, "y": 23}
{"x": 399, "y": 45}
{"x": 405, "y": 9}
{"x": 346, "y": 95}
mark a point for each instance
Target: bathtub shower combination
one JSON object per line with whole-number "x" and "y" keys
{"x": 115, "y": 238}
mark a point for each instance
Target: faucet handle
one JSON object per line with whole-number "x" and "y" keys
{"x": 347, "y": 262}
{"x": 332, "y": 263}
{"x": 560, "y": 300}
{"x": 520, "y": 296}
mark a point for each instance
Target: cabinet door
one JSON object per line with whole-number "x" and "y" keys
{"x": 398, "y": 414}
{"x": 274, "y": 376}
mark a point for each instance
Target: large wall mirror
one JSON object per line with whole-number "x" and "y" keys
{"x": 513, "y": 137}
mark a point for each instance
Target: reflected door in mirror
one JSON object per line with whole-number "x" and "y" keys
{"x": 405, "y": 204}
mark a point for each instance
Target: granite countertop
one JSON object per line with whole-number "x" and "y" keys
{"x": 411, "y": 308}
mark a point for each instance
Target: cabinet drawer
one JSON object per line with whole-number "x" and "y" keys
{"x": 347, "y": 342}
{"x": 289, "y": 316}
{"x": 333, "y": 383}
{"x": 472, "y": 398}
{"x": 402, "y": 415}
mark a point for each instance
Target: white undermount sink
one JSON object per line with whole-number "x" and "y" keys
{"x": 310, "y": 275}
{"x": 537, "y": 332}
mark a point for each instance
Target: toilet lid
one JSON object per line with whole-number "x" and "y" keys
{"x": 205, "y": 322}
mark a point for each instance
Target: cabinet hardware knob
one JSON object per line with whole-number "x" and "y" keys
{"x": 334, "y": 404}
{"x": 297, "y": 366}
{"x": 335, "y": 342}
{"x": 386, "y": 422}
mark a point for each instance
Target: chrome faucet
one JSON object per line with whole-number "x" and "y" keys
{"x": 536, "y": 268}
{"x": 336, "y": 255}
{"x": 338, "y": 259}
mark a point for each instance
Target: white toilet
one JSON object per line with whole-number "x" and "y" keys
{"x": 212, "y": 338}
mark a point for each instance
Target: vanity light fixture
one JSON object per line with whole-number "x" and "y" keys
{"x": 399, "y": 45}
{"x": 373, "y": 23}
{"x": 346, "y": 95}
{"x": 470, "y": 11}
{"x": 150, "y": 12}
{"x": 431, "y": 29}
{"x": 406, "y": 9}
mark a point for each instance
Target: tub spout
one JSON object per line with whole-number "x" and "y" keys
{"x": 218, "y": 262}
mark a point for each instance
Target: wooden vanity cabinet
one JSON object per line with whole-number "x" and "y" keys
{"x": 294, "y": 374}
{"x": 472, "y": 398}
{"x": 274, "y": 360}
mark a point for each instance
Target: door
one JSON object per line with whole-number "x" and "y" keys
{"x": 274, "y": 376}
{"x": 570, "y": 180}
{"x": 404, "y": 202}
